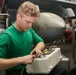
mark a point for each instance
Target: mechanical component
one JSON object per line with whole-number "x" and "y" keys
{"x": 45, "y": 63}
{"x": 49, "y": 26}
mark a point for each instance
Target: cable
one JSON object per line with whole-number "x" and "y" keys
{"x": 22, "y": 71}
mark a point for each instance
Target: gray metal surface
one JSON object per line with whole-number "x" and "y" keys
{"x": 49, "y": 26}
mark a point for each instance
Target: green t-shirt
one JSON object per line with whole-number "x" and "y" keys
{"x": 14, "y": 43}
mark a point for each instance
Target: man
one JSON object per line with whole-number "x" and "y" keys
{"x": 19, "y": 41}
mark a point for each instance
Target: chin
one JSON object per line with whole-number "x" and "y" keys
{"x": 25, "y": 30}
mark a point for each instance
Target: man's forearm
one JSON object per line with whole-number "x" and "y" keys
{"x": 40, "y": 46}
{"x": 7, "y": 63}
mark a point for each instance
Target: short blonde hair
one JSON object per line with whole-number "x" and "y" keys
{"x": 29, "y": 9}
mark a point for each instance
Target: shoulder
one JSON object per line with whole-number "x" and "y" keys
{"x": 5, "y": 37}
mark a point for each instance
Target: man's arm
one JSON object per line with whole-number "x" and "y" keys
{"x": 8, "y": 63}
{"x": 38, "y": 48}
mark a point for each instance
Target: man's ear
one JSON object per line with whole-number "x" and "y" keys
{"x": 18, "y": 17}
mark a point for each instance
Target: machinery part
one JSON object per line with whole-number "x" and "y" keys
{"x": 3, "y": 21}
{"x": 49, "y": 26}
{"x": 65, "y": 62}
{"x": 44, "y": 64}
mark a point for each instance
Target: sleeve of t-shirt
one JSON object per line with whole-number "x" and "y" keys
{"x": 36, "y": 38}
{"x": 5, "y": 42}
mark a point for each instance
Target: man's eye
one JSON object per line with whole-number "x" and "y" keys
{"x": 26, "y": 21}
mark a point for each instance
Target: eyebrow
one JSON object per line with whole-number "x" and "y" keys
{"x": 29, "y": 21}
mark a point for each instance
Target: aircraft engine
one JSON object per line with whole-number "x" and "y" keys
{"x": 49, "y": 26}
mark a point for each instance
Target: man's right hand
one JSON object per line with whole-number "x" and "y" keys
{"x": 28, "y": 59}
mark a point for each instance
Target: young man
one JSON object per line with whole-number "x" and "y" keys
{"x": 19, "y": 41}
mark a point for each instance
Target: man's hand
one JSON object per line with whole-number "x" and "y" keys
{"x": 36, "y": 52}
{"x": 28, "y": 59}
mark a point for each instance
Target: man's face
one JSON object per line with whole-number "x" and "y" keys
{"x": 26, "y": 22}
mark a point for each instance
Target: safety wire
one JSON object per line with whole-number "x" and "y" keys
{"x": 22, "y": 71}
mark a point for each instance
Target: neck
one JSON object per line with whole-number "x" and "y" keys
{"x": 16, "y": 25}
